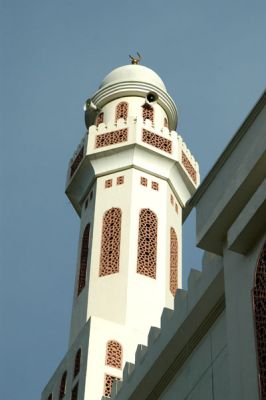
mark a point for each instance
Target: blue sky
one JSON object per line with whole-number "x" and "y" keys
{"x": 54, "y": 53}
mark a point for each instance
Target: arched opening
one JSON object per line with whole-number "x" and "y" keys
{"x": 62, "y": 390}
{"x": 147, "y": 243}
{"x": 99, "y": 119}
{"x": 148, "y": 112}
{"x": 83, "y": 259}
{"x": 77, "y": 363}
{"x": 121, "y": 111}
{"x": 114, "y": 354}
{"x": 110, "y": 245}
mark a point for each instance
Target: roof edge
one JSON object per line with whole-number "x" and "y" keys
{"x": 258, "y": 107}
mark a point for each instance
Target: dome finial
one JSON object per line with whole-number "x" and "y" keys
{"x": 135, "y": 60}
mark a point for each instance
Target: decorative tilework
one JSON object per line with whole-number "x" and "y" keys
{"x": 77, "y": 161}
{"x": 114, "y": 354}
{"x": 107, "y": 139}
{"x": 147, "y": 243}
{"x": 110, "y": 246}
{"x": 157, "y": 141}
{"x": 190, "y": 170}
{"x": 173, "y": 261}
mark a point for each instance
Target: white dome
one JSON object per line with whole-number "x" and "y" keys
{"x": 136, "y": 73}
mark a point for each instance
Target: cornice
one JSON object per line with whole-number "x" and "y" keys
{"x": 261, "y": 103}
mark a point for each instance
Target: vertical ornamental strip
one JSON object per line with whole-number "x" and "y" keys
{"x": 121, "y": 111}
{"x": 114, "y": 354}
{"x": 259, "y": 304}
{"x": 173, "y": 261}
{"x": 110, "y": 246}
{"x": 83, "y": 259}
{"x": 147, "y": 243}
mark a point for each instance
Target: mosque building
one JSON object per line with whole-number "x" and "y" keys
{"x": 135, "y": 333}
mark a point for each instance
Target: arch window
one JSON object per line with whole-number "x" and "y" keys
{"x": 173, "y": 261}
{"x": 114, "y": 354}
{"x": 74, "y": 393}
{"x": 110, "y": 245}
{"x": 165, "y": 122}
{"x": 99, "y": 119}
{"x": 62, "y": 390}
{"x": 121, "y": 111}
{"x": 108, "y": 383}
{"x": 147, "y": 112}
{"x": 83, "y": 259}
{"x": 259, "y": 301}
{"x": 50, "y": 397}
{"x": 147, "y": 243}
{"x": 77, "y": 363}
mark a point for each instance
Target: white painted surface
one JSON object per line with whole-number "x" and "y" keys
{"x": 124, "y": 305}
{"x": 205, "y": 373}
{"x": 138, "y": 73}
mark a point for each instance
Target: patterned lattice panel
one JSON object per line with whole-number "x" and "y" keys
{"x": 190, "y": 170}
{"x": 173, "y": 261}
{"x": 108, "y": 383}
{"x": 110, "y": 246}
{"x": 157, "y": 141}
{"x": 99, "y": 119}
{"x": 77, "y": 161}
{"x": 147, "y": 243}
{"x": 147, "y": 112}
{"x": 121, "y": 111}
{"x": 114, "y": 354}
{"x": 109, "y": 138}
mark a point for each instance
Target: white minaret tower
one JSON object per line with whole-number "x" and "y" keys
{"x": 128, "y": 180}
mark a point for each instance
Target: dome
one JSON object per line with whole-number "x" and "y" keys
{"x": 136, "y": 73}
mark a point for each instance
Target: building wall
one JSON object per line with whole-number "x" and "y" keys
{"x": 204, "y": 376}
{"x": 239, "y": 271}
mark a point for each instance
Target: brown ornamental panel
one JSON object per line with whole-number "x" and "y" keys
{"x": 76, "y": 162}
{"x": 110, "y": 245}
{"x": 147, "y": 243}
{"x": 190, "y": 170}
{"x": 173, "y": 261}
{"x": 259, "y": 301}
{"x": 108, "y": 383}
{"x": 114, "y": 354}
{"x": 157, "y": 141}
{"x": 99, "y": 119}
{"x": 109, "y": 138}
{"x": 147, "y": 112}
{"x": 121, "y": 111}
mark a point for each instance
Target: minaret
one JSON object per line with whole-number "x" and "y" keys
{"x": 128, "y": 180}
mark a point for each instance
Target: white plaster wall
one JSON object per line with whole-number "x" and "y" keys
{"x": 67, "y": 364}
{"x": 128, "y": 297}
{"x": 101, "y": 332}
{"x": 134, "y": 110}
{"x": 204, "y": 376}
{"x": 123, "y": 306}
{"x": 79, "y": 307}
